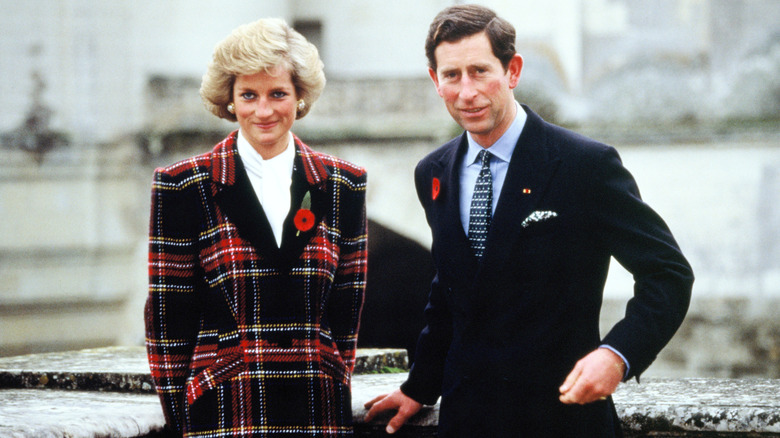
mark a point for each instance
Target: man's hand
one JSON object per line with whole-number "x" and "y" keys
{"x": 594, "y": 377}
{"x": 406, "y": 407}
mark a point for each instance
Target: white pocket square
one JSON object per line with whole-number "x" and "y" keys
{"x": 538, "y": 216}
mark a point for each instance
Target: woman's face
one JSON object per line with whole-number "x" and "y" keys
{"x": 265, "y": 108}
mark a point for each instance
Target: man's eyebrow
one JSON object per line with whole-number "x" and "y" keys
{"x": 480, "y": 65}
{"x": 444, "y": 70}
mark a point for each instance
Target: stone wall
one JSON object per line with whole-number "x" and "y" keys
{"x": 108, "y": 393}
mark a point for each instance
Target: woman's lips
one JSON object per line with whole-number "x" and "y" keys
{"x": 268, "y": 125}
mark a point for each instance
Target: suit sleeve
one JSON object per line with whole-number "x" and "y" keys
{"x": 349, "y": 284}
{"x": 170, "y": 315}
{"x": 641, "y": 242}
{"x": 425, "y": 378}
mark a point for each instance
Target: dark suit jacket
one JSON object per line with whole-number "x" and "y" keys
{"x": 502, "y": 335}
{"x": 244, "y": 336}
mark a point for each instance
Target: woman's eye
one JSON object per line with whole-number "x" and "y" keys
{"x": 279, "y": 94}
{"x": 248, "y": 96}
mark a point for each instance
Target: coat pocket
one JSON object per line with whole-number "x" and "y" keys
{"x": 224, "y": 369}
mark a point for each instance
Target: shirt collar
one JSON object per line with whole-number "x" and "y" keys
{"x": 254, "y": 162}
{"x": 504, "y": 146}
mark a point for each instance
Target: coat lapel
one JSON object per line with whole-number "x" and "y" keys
{"x": 310, "y": 174}
{"x": 531, "y": 169}
{"x": 452, "y": 244}
{"x": 238, "y": 201}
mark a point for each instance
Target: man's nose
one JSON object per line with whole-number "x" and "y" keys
{"x": 468, "y": 89}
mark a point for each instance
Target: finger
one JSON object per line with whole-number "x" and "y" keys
{"x": 571, "y": 379}
{"x": 572, "y": 396}
{"x": 371, "y": 402}
{"x": 581, "y": 391}
{"x": 377, "y": 406}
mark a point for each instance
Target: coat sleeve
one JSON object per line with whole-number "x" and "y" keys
{"x": 349, "y": 284}
{"x": 170, "y": 315}
{"x": 641, "y": 242}
{"x": 426, "y": 376}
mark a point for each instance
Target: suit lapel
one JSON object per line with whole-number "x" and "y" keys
{"x": 452, "y": 244}
{"x": 531, "y": 169}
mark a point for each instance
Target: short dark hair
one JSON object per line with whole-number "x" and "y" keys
{"x": 458, "y": 22}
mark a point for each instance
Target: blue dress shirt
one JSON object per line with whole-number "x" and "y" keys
{"x": 502, "y": 151}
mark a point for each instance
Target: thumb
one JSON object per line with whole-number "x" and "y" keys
{"x": 571, "y": 378}
{"x": 397, "y": 421}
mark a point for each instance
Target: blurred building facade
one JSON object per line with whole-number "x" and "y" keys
{"x": 594, "y": 60}
{"x": 95, "y": 94}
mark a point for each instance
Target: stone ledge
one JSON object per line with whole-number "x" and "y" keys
{"x": 34, "y": 413}
{"x": 124, "y": 407}
{"x": 125, "y": 369}
{"x": 723, "y": 407}
{"x": 659, "y": 408}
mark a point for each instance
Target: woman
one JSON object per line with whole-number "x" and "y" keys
{"x": 257, "y": 257}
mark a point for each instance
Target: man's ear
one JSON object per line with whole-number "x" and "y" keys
{"x": 514, "y": 68}
{"x": 435, "y": 79}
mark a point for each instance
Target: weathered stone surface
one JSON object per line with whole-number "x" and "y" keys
{"x": 701, "y": 405}
{"x": 36, "y": 413}
{"x": 125, "y": 369}
{"x": 378, "y": 360}
{"x": 100, "y": 369}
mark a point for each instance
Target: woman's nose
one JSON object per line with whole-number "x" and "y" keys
{"x": 262, "y": 108}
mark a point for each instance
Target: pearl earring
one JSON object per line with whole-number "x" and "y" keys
{"x": 231, "y": 108}
{"x": 301, "y": 105}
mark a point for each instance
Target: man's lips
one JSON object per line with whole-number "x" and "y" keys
{"x": 471, "y": 111}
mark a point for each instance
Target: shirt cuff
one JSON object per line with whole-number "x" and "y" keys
{"x": 625, "y": 361}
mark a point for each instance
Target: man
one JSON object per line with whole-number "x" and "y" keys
{"x": 512, "y": 342}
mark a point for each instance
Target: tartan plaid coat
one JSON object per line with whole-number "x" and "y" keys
{"x": 245, "y": 338}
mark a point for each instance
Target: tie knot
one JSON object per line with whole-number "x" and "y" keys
{"x": 484, "y": 157}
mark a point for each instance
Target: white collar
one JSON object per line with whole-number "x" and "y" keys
{"x": 281, "y": 164}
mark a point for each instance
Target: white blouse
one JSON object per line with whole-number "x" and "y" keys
{"x": 271, "y": 180}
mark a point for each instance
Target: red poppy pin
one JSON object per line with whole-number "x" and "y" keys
{"x": 304, "y": 218}
{"x": 436, "y": 188}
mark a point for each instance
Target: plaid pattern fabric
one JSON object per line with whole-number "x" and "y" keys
{"x": 245, "y": 338}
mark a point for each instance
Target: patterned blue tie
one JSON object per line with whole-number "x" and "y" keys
{"x": 481, "y": 206}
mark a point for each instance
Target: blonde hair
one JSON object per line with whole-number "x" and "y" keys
{"x": 262, "y": 46}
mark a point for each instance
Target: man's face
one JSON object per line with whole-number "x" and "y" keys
{"x": 475, "y": 87}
